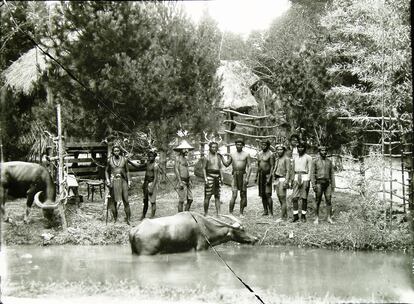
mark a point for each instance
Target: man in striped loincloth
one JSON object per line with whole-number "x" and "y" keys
{"x": 213, "y": 177}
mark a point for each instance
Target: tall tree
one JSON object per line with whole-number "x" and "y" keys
{"x": 142, "y": 63}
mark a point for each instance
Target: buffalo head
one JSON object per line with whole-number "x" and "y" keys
{"x": 237, "y": 232}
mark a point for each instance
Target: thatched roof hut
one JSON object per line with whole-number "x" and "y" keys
{"x": 237, "y": 79}
{"x": 25, "y": 72}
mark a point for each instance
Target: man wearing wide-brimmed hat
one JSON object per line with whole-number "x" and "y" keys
{"x": 241, "y": 174}
{"x": 182, "y": 174}
{"x": 265, "y": 163}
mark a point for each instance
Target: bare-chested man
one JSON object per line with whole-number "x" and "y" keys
{"x": 182, "y": 174}
{"x": 265, "y": 164}
{"x": 213, "y": 177}
{"x": 241, "y": 163}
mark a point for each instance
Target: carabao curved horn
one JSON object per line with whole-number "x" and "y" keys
{"x": 205, "y": 136}
{"x": 222, "y": 223}
{"x": 233, "y": 218}
{"x": 42, "y": 205}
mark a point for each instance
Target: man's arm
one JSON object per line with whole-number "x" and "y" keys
{"x": 107, "y": 173}
{"x": 332, "y": 175}
{"x": 154, "y": 184}
{"x": 272, "y": 165}
{"x": 288, "y": 171}
{"x": 313, "y": 173}
{"x": 292, "y": 176}
{"x": 227, "y": 162}
{"x": 127, "y": 173}
{"x": 177, "y": 171}
{"x": 204, "y": 160}
{"x": 248, "y": 167}
{"x": 140, "y": 167}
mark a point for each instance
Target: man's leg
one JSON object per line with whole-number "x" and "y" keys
{"x": 182, "y": 195}
{"x": 189, "y": 198}
{"x": 217, "y": 203}
{"x": 153, "y": 209}
{"x": 243, "y": 201}
{"x": 295, "y": 209}
{"x": 233, "y": 200}
{"x": 318, "y": 198}
{"x": 126, "y": 202}
{"x": 264, "y": 203}
{"x": 145, "y": 201}
{"x": 206, "y": 203}
{"x": 305, "y": 185}
{"x": 270, "y": 204}
{"x": 328, "y": 199}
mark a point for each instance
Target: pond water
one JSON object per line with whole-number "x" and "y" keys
{"x": 292, "y": 272}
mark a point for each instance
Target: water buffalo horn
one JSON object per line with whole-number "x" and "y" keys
{"x": 233, "y": 218}
{"x": 221, "y": 222}
{"x": 41, "y": 205}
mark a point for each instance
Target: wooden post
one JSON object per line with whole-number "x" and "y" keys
{"x": 390, "y": 176}
{"x": 60, "y": 166}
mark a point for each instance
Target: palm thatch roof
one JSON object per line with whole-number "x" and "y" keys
{"x": 237, "y": 79}
{"x": 25, "y": 72}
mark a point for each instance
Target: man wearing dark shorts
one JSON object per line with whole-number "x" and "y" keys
{"x": 265, "y": 163}
{"x": 241, "y": 174}
{"x": 118, "y": 180}
{"x": 323, "y": 182}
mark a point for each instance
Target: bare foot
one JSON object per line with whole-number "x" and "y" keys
{"x": 316, "y": 221}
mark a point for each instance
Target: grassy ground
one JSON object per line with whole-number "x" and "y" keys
{"x": 131, "y": 292}
{"x": 87, "y": 223}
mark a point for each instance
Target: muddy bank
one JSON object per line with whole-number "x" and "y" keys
{"x": 87, "y": 223}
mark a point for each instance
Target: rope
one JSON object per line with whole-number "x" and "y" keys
{"x": 227, "y": 265}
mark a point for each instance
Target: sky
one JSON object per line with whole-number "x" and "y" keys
{"x": 239, "y": 16}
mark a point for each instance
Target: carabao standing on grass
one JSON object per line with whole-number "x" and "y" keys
{"x": 213, "y": 177}
{"x": 241, "y": 174}
{"x": 182, "y": 174}
{"x": 300, "y": 180}
{"x": 265, "y": 165}
{"x": 323, "y": 182}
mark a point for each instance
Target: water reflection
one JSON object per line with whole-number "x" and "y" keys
{"x": 284, "y": 270}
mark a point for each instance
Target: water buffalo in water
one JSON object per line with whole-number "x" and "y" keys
{"x": 183, "y": 232}
{"x": 21, "y": 179}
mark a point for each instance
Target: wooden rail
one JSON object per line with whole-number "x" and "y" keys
{"x": 244, "y": 115}
{"x": 248, "y": 135}
{"x": 249, "y": 125}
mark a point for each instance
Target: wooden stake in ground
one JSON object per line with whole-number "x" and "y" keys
{"x": 60, "y": 167}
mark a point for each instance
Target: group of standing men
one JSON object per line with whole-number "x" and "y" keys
{"x": 288, "y": 168}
